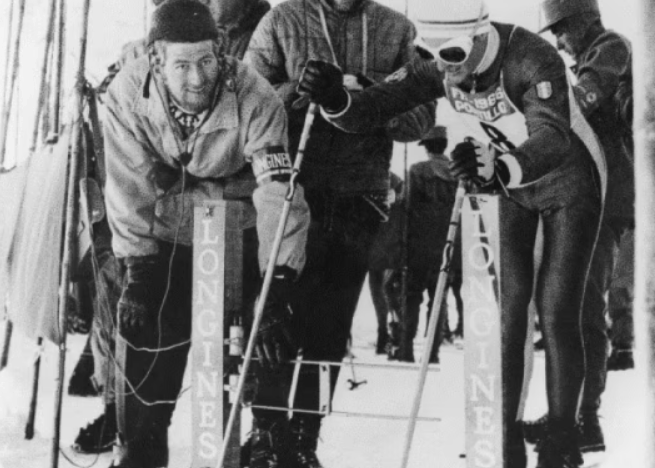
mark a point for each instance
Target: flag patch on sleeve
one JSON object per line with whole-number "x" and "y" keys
{"x": 272, "y": 163}
{"x": 544, "y": 90}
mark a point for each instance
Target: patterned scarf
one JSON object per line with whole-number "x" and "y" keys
{"x": 187, "y": 122}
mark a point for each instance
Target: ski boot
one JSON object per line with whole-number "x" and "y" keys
{"x": 303, "y": 434}
{"x": 99, "y": 435}
{"x": 267, "y": 443}
{"x": 559, "y": 447}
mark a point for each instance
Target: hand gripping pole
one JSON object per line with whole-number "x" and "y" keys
{"x": 434, "y": 318}
{"x": 268, "y": 277}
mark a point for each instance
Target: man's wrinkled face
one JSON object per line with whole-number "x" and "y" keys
{"x": 568, "y": 38}
{"x": 190, "y": 71}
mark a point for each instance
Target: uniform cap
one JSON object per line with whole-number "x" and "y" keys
{"x": 440, "y": 20}
{"x": 555, "y": 11}
{"x": 436, "y": 132}
{"x": 182, "y": 21}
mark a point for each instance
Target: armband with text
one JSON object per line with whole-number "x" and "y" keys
{"x": 272, "y": 164}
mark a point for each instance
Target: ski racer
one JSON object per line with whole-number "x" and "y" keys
{"x": 509, "y": 88}
{"x": 184, "y": 124}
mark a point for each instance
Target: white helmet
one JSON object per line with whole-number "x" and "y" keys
{"x": 438, "y": 21}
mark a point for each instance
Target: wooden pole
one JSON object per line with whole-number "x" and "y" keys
{"x": 6, "y": 111}
{"x": 43, "y": 85}
{"x": 644, "y": 306}
{"x": 59, "y": 67}
{"x": 71, "y": 228}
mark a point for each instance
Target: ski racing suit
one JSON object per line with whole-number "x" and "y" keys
{"x": 150, "y": 196}
{"x": 523, "y": 104}
{"x": 345, "y": 176}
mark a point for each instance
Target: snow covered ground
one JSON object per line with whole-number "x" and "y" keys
{"x": 347, "y": 442}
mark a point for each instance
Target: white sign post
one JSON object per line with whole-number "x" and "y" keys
{"x": 482, "y": 363}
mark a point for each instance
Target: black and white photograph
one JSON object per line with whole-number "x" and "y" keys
{"x": 327, "y": 234}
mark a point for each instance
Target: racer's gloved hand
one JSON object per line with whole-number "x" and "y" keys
{"x": 412, "y": 125}
{"x": 136, "y": 306}
{"x": 322, "y": 83}
{"x": 275, "y": 342}
{"x": 473, "y": 161}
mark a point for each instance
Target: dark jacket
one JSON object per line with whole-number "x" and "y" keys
{"x": 289, "y": 35}
{"x": 604, "y": 64}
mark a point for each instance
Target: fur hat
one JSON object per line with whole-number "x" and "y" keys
{"x": 182, "y": 21}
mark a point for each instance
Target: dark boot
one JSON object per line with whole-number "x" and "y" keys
{"x": 383, "y": 339}
{"x": 80, "y": 383}
{"x": 147, "y": 450}
{"x": 591, "y": 433}
{"x": 533, "y": 431}
{"x": 268, "y": 443}
{"x": 620, "y": 359}
{"x": 560, "y": 447}
{"x": 303, "y": 435}
{"x": 100, "y": 435}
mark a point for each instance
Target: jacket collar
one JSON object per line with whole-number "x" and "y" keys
{"x": 154, "y": 107}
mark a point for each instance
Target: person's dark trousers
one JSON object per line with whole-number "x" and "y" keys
{"x": 594, "y": 312}
{"x": 621, "y": 295}
{"x": 339, "y": 239}
{"x": 568, "y": 202}
{"x": 150, "y": 369}
{"x": 376, "y": 285}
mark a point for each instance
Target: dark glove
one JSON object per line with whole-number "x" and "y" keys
{"x": 472, "y": 161}
{"x": 322, "y": 83}
{"x": 136, "y": 306}
{"x": 275, "y": 342}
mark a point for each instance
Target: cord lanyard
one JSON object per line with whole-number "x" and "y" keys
{"x": 326, "y": 33}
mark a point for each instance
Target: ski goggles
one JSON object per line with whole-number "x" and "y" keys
{"x": 457, "y": 50}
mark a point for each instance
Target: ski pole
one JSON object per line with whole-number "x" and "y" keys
{"x": 268, "y": 277}
{"x": 4, "y": 358}
{"x": 434, "y": 318}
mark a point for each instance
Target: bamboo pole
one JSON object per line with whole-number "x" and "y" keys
{"x": 6, "y": 111}
{"x": 644, "y": 305}
{"x": 71, "y": 227}
{"x": 59, "y": 67}
{"x": 10, "y": 31}
{"x": 43, "y": 85}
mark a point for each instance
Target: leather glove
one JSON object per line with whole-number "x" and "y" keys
{"x": 275, "y": 342}
{"x": 136, "y": 306}
{"x": 411, "y": 125}
{"x": 473, "y": 161}
{"x": 322, "y": 83}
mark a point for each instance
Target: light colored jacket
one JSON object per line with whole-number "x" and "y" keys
{"x": 292, "y": 33}
{"x": 143, "y": 193}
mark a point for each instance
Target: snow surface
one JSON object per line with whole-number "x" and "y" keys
{"x": 346, "y": 442}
